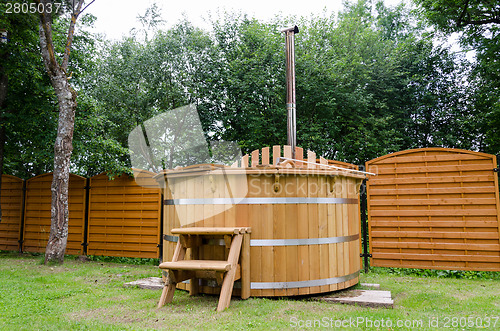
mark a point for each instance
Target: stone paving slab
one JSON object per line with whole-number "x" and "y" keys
{"x": 366, "y": 298}
{"x": 151, "y": 283}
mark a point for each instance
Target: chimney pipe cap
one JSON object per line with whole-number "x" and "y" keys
{"x": 294, "y": 29}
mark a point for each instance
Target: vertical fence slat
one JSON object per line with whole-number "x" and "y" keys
{"x": 287, "y": 151}
{"x": 497, "y": 192}
{"x": 255, "y": 158}
{"x": 265, "y": 156}
{"x": 276, "y": 154}
{"x": 311, "y": 158}
{"x": 244, "y": 161}
{"x": 322, "y": 160}
{"x": 23, "y": 217}
{"x": 299, "y": 155}
{"x": 364, "y": 226}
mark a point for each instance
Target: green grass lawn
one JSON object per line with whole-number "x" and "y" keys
{"x": 90, "y": 295}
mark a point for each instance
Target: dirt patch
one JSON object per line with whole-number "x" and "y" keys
{"x": 112, "y": 315}
{"x": 83, "y": 258}
{"x": 119, "y": 298}
{"x": 90, "y": 314}
{"x": 141, "y": 318}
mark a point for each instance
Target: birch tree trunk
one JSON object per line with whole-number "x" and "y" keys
{"x": 63, "y": 147}
{"x": 3, "y": 95}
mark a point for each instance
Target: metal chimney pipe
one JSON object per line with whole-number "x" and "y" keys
{"x": 290, "y": 86}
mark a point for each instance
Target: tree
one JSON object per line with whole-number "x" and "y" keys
{"x": 370, "y": 81}
{"x": 26, "y": 115}
{"x": 66, "y": 97}
{"x": 135, "y": 80}
{"x": 246, "y": 80}
{"x": 454, "y": 15}
{"x": 30, "y": 109}
{"x": 478, "y": 25}
{"x": 4, "y": 81}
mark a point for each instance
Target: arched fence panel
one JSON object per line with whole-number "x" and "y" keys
{"x": 434, "y": 208}
{"x": 12, "y": 208}
{"x": 124, "y": 218}
{"x": 37, "y": 214}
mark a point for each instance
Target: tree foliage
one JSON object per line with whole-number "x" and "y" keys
{"x": 478, "y": 24}
{"x": 370, "y": 80}
{"x": 30, "y": 109}
{"x": 27, "y": 116}
{"x": 454, "y": 15}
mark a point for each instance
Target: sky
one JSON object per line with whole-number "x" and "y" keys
{"x": 116, "y": 18}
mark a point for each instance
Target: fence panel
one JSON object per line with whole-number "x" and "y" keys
{"x": 37, "y": 214}
{"x": 10, "y": 225}
{"x": 124, "y": 218}
{"x": 434, "y": 208}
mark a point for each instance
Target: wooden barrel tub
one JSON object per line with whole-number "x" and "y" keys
{"x": 304, "y": 218}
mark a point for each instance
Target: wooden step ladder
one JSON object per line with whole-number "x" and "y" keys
{"x": 225, "y": 272}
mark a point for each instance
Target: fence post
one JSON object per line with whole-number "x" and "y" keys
{"x": 364, "y": 225}
{"x": 21, "y": 228}
{"x": 160, "y": 244}
{"x": 497, "y": 170}
{"x": 86, "y": 217}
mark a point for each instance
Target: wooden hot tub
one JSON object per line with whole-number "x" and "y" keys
{"x": 304, "y": 218}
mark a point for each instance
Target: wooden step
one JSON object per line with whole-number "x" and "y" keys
{"x": 197, "y": 265}
{"x": 208, "y": 231}
{"x": 225, "y": 272}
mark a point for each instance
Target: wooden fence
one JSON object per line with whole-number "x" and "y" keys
{"x": 37, "y": 214}
{"x": 112, "y": 218}
{"x": 124, "y": 218}
{"x": 434, "y": 208}
{"x": 427, "y": 208}
{"x": 12, "y": 202}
